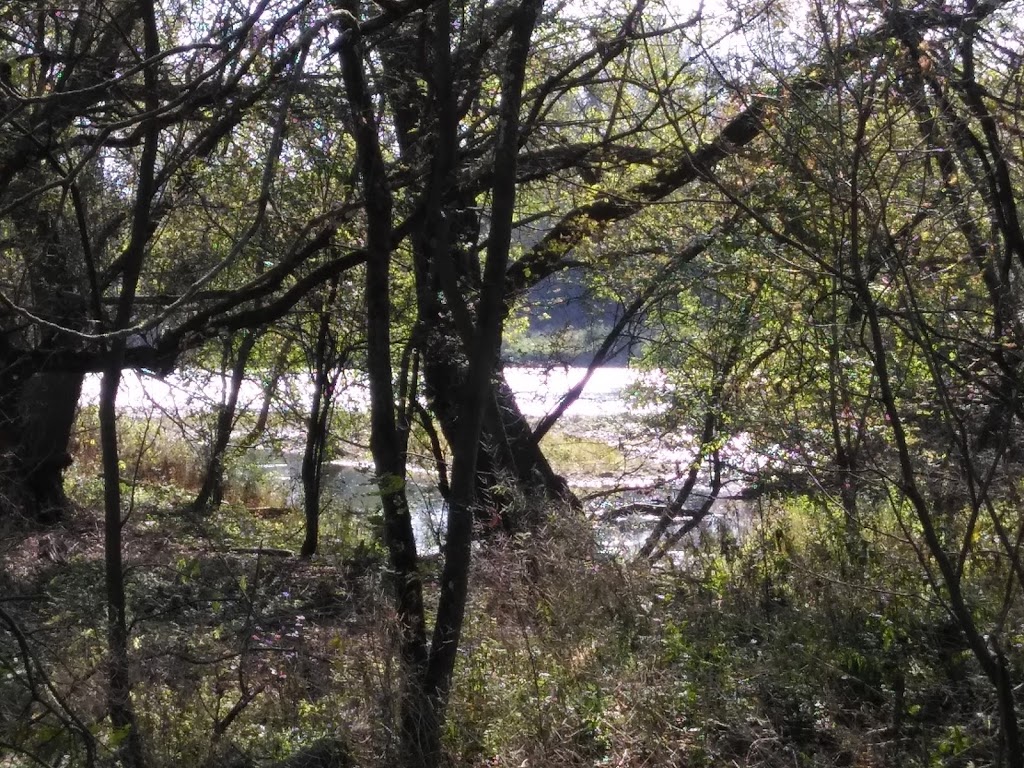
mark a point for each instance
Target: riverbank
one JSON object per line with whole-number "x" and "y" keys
{"x": 762, "y": 653}
{"x": 601, "y": 444}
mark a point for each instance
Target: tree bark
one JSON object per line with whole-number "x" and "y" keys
{"x": 119, "y": 684}
{"x": 312, "y": 465}
{"x": 325, "y": 364}
{"x": 211, "y": 493}
{"x": 37, "y": 410}
{"x": 417, "y": 725}
{"x": 119, "y": 688}
{"x": 36, "y": 422}
{"x": 513, "y": 454}
{"x": 445, "y": 262}
{"x": 482, "y": 350}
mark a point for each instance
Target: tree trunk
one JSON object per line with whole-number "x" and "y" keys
{"x": 512, "y": 455}
{"x": 211, "y": 494}
{"x": 35, "y": 431}
{"x": 385, "y": 442}
{"x": 443, "y": 248}
{"x": 119, "y": 688}
{"x": 325, "y": 361}
{"x": 37, "y": 410}
{"x": 313, "y": 458}
{"x": 478, "y": 400}
{"x": 534, "y": 470}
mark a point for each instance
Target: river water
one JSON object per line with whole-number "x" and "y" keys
{"x": 648, "y": 469}
{"x": 538, "y": 390}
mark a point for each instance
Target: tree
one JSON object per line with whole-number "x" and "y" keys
{"x": 432, "y": 80}
{"x": 211, "y": 492}
{"x": 160, "y": 188}
{"x": 76, "y": 84}
{"x": 330, "y": 350}
{"x": 892, "y": 209}
{"x": 108, "y": 118}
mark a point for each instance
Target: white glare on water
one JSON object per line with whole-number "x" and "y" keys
{"x": 538, "y": 391}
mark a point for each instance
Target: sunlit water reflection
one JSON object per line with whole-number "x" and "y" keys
{"x": 605, "y": 412}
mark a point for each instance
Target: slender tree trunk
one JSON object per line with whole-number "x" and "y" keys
{"x": 211, "y": 494}
{"x": 122, "y": 713}
{"x": 278, "y": 371}
{"x": 846, "y": 439}
{"x": 317, "y": 434}
{"x": 119, "y": 689}
{"x": 311, "y": 473}
{"x": 385, "y": 441}
{"x": 325, "y": 363}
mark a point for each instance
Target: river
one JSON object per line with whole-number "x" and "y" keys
{"x": 538, "y": 390}
{"x": 646, "y": 467}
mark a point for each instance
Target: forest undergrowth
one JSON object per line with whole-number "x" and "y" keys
{"x": 772, "y": 650}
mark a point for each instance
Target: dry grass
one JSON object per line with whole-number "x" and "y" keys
{"x": 569, "y": 658}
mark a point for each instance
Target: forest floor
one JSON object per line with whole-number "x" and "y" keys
{"x": 752, "y": 655}
{"x": 768, "y": 650}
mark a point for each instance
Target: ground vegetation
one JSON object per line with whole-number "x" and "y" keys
{"x": 801, "y": 220}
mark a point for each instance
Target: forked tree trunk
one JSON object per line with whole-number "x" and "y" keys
{"x": 510, "y": 457}
{"x": 515, "y": 459}
{"x": 211, "y": 494}
{"x": 317, "y": 435}
{"x": 325, "y": 361}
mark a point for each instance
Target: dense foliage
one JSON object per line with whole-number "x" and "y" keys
{"x": 801, "y": 219}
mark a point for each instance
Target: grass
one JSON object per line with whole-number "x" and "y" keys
{"x": 577, "y": 456}
{"x": 755, "y": 655}
{"x": 762, "y": 652}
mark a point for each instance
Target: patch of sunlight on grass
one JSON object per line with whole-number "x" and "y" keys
{"x": 580, "y": 455}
